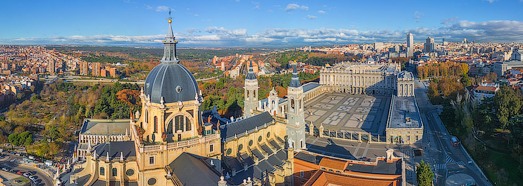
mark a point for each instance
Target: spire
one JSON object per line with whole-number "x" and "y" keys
{"x": 295, "y": 81}
{"x": 169, "y": 49}
{"x": 89, "y": 146}
{"x": 250, "y": 74}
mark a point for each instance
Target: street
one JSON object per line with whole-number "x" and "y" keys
{"x": 12, "y": 161}
{"x": 445, "y": 159}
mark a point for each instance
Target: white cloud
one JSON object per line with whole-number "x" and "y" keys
{"x": 491, "y": 1}
{"x": 294, "y": 6}
{"x": 311, "y": 17}
{"x": 321, "y": 12}
{"x": 162, "y": 8}
{"x": 487, "y": 31}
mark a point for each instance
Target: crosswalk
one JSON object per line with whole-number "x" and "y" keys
{"x": 450, "y": 160}
{"x": 441, "y": 166}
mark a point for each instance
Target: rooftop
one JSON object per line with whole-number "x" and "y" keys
{"x": 193, "y": 170}
{"x": 239, "y": 128}
{"x": 404, "y": 113}
{"x": 105, "y": 127}
{"x": 309, "y": 86}
{"x": 381, "y": 167}
{"x": 116, "y": 149}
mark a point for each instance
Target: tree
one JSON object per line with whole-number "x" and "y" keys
{"x": 507, "y": 103}
{"x": 424, "y": 174}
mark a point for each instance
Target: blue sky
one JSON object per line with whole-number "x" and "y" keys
{"x": 257, "y": 22}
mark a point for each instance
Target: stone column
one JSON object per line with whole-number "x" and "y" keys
{"x": 321, "y": 130}
{"x": 359, "y": 136}
{"x": 311, "y": 129}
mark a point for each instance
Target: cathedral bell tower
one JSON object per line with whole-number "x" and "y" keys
{"x": 251, "y": 93}
{"x": 295, "y": 113}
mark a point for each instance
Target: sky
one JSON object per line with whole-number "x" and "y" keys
{"x": 251, "y": 23}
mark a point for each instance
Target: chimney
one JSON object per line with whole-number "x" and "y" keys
{"x": 222, "y": 182}
{"x": 390, "y": 155}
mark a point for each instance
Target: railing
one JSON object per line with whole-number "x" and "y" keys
{"x": 179, "y": 144}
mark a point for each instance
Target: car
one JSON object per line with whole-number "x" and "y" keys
{"x": 27, "y": 174}
{"x": 33, "y": 178}
{"x": 470, "y": 162}
{"x": 13, "y": 171}
{"x": 20, "y": 173}
{"x": 5, "y": 169}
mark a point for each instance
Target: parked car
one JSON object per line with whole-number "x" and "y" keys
{"x": 33, "y": 178}
{"x": 27, "y": 174}
{"x": 20, "y": 173}
{"x": 5, "y": 169}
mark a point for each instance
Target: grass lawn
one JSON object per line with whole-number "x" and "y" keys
{"x": 20, "y": 181}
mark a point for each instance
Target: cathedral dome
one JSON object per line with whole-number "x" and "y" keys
{"x": 170, "y": 81}
{"x": 173, "y": 82}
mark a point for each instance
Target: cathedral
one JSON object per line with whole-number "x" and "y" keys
{"x": 171, "y": 141}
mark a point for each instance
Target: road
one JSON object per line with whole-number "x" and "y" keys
{"x": 445, "y": 158}
{"x": 46, "y": 179}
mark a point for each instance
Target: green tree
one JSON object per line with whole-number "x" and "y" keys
{"x": 508, "y": 103}
{"x": 424, "y": 174}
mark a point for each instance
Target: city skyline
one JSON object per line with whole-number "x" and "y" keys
{"x": 240, "y": 23}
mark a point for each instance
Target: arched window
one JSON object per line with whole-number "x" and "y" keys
{"x": 187, "y": 124}
{"x": 178, "y": 123}
{"x": 155, "y": 124}
{"x": 170, "y": 127}
{"x": 292, "y": 104}
{"x": 115, "y": 172}
{"x": 102, "y": 171}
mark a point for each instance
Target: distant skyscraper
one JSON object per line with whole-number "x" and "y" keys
{"x": 410, "y": 44}
{"x": 429, "y": 45}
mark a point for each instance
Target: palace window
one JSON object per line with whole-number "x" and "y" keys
{"x": 151, "y": 160}
{"x": 211, "y": 148}
{"x": 102, "y": 171}
{"x": 115, "y": 172}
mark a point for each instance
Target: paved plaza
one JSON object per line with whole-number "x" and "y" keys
{"x": 347, "y": 112}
